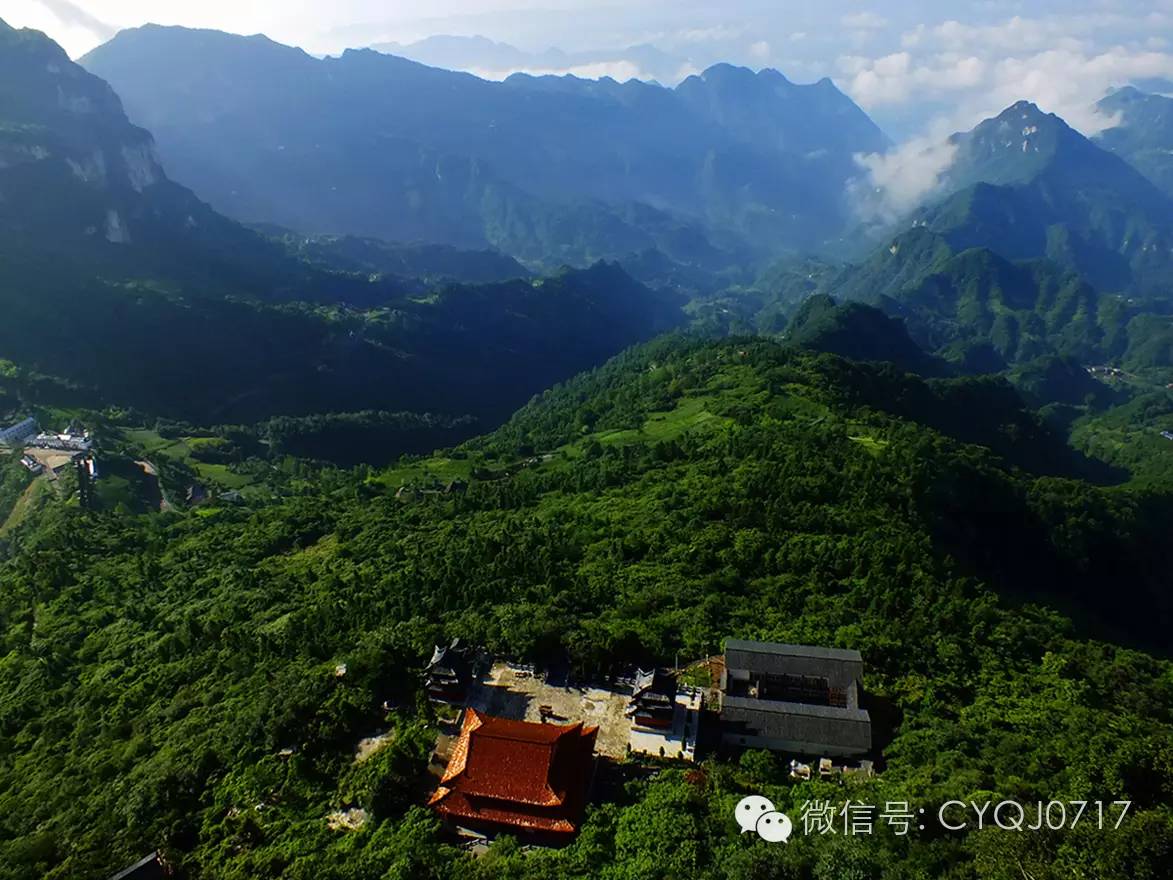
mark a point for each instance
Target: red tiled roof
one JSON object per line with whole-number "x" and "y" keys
{"x": 517, "y": 774}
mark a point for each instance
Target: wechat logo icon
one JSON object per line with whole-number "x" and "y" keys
{"x": 756, "y": 813}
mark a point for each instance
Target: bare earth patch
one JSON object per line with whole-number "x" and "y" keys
{"x": 370, "y": 745}
{"x": 347, "y": 820}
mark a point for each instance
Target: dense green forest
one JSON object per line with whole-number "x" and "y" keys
{"x": 154, "y": 667}
{"x": 972, "y": 308}
{"x": 952, "y": 455}
{"x": 170, "y": 348}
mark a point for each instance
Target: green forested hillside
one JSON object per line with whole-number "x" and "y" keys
{"x": 857, "y": 331}
{"x": 174, "y": 349}
{"x": 1131, "y": 435}
{"x": 193, "y": 647}
{"x": 1026, "y": 185}
{"x": 153, "y": 669}
{"x": 984, "y": 312}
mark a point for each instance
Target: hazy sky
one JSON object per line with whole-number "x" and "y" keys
{"x": 917, "y": 67}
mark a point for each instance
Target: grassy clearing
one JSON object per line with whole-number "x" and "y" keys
{"x": 34, "y": 495}
{"x": 440, "y": 470}
{"x": 690, "y": 414}
{"x": 221, "y": 475}
{"x": 154, "y": 446}
{"x": 152, "y": 443}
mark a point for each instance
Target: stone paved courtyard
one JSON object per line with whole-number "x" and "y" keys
{"x": 516, "y": 692}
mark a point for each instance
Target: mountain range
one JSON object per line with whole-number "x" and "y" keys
{"x": 1142, "y": 133}
{"x": 495, "y": 60}
{"x": 728, "y": 165}
{"x": 119, "y": 286}
{"x": 1039, "y": 243}
{"x": 728, "y": 169}
{"x": 983, "y": 313}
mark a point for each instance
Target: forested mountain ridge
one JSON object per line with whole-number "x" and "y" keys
{"x": 1026, "y": 185}
{"x": 984, "y": 312}
{"x": 457, "y": 350}
{"x": 859, "y": 332}
{"x": 728, "y": 164}
{"x": 1142, "y": 133}
{"x": 156, "y": 668}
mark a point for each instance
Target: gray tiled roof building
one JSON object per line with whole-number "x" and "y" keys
{"x": 799, "y": 699}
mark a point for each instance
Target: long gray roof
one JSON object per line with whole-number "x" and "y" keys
{"x": 809, "y": 729}
{"x": 743, "y": 706}
{"x": 784, "y": 650}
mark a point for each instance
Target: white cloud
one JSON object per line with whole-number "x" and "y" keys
{"x": 718, "y": 34}
{"x": 897, "y": 181}
{"x": 1015, "y": 34}
{"x": 897, "y": 78}
{"x": 73, "y": 28}
{"x": 760, "y": 50}
{"x": 864, "y": 21}
{"x": 1066, "y": 81}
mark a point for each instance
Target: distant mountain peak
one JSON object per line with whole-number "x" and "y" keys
{"x": 1027, "y": 185}
{"x": 726, "y": 71}
{"x": 1128, "y": 91}
{"x": 1131, "y": 96}
{"x": 1025, "y": 115}
{"x": 769, "y": 73}
{"x": 1014, "y": 146}
{"x": 179, "y": 43}
{"x": 1024, "y": 107}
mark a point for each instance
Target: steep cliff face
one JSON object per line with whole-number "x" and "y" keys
{"x": 74, "y": 169}
{"x": 80, "y": 185}
{"x": 71, "y": 164}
